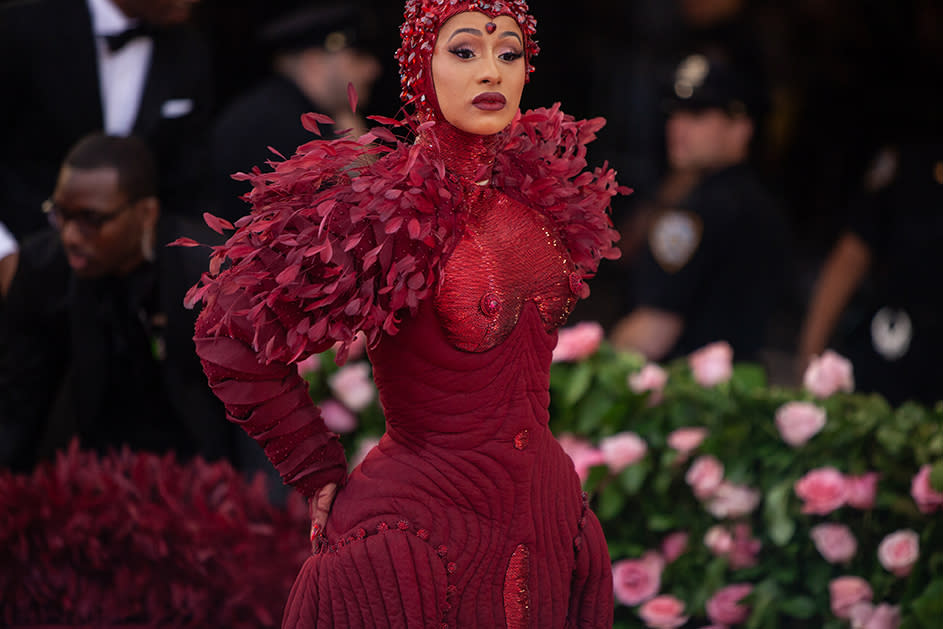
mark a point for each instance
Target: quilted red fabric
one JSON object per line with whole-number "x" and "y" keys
{"x": 468, "y": 513}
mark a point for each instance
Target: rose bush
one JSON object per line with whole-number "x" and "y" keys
{"x": 786, "y": 494}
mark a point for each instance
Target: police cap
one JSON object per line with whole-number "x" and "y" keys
{"x": 332, "y": 26}
{"x": 708, "y": 81}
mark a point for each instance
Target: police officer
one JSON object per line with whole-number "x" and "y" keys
{"x": 316, "y": 52}
{"x": 876, "y": 297}
{"x": 714, "y": 267}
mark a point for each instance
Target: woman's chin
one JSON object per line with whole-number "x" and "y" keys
{"x": 483, "y": 127}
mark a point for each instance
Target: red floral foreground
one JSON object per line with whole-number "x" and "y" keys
{"x": 139, "y": 540}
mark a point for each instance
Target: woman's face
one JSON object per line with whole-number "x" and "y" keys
{"x": 478, "y": 69}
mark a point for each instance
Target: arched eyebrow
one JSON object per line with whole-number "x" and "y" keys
{"x": 478, "y": 33}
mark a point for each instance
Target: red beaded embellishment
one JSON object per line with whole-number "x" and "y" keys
{"x": 422, "y": 19}
{"x": 490, "y": 305}
{"x": 521, "y": 439}
{"x": 576, "y": 283}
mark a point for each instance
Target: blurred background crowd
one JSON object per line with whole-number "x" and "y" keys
{"x": 786, "y": 160}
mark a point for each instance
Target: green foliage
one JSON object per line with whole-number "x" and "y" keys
{"x": 641, "y": 504}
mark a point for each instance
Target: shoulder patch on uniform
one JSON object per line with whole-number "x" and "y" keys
{"x": 674, "y": 237}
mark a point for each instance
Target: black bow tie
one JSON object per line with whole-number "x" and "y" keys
{"x": 117, "y": 41}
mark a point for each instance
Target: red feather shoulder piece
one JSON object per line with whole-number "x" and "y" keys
{"x": 339, "y": 242}
{"x": 543, "y": 165}
{"x": 334, "y": 245}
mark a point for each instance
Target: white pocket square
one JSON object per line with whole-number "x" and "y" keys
{"x": 176, "y": 107}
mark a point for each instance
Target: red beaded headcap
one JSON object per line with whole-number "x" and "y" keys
{"x": 421, "y": 27}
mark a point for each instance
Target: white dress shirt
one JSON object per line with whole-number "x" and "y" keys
{"x": 121, "y": 74}
{"x": 7, "y": 242}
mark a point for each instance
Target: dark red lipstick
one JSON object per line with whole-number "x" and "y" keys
{"x": 490, "y": 101}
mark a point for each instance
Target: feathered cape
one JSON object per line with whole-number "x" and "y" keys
{"x": 335, "y": 245}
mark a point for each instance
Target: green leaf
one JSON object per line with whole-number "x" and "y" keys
{"x": 893, "y": 439}
{"x": 597, "y": 474}
{"x": 798, "y": 607}
{"x": 761, "y": 600}
{"x": 928, "y": 608}
{"x": 749, "y": 376}
{"x": 578, "y": 383}
{"x": 776, "y": 513}
{"x": 661, "y": 522}
{"x": 634, "y": 476}
{"x": 936, "y": 476}
{"x": 611, "y": 502}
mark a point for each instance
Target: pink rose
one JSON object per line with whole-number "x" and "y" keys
{"x": 723, "y": 608}
{"x": 705, "y": 476}
{"x": 799, "y": 421}
{"x": 577, "y": 342}
{"x": 311, "y": 364}
{"x": 674, "y": 545}
{"x": 687, "y": 440}
{"x": 582, "y": 453}
{"x": 622, "y": 450}
{"x": 898, "y": 552}
{"x": 859, "y": 614}
{"x": 883, "y": 616}
{"x": 835, "y": 542}
{"x": 712, "y": 364}
{"x": 928, "y": 499}
{"x": 827, "y": 374}
{"x": 846, "y": 592}
{"x": 862, "y": 490}
{"x": 651, "y": 378}
{"x": 823, "y": 490}
{"x": 337, "y": 418}
{"x": 718, "y": 540}
{"x": 366, "y": 444}
{"x": 745, "y": 548}
{"x": 637, "y": 580}
{"x": 732, "y": 501}
{"x": 663, "y": 612}
{"x": 353, "y": 387}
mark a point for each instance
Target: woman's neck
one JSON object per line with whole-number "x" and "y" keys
{"x": 468, "y": 156}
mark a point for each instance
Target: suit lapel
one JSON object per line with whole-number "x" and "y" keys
{"x": 155, "y": 87}
{"x": 75, "y": 46}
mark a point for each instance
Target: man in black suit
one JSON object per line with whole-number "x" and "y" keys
{"x": 316, "y": 52}
{"x": 71, "y": 67}
{"x": 94, "y": 338}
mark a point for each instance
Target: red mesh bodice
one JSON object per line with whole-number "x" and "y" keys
{"x": 508, "y": 256}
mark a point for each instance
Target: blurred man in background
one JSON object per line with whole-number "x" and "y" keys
{"x": 316, "y": 52}
{"x": 95, "y": 341}
{"x": 872, "y": 298}
{"x": 714, "y": 263}
{"x": 72, "y": 67}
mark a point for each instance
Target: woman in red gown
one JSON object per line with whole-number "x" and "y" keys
{"x": 458, "y": 256}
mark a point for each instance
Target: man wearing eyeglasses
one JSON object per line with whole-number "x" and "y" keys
{"x": 71, "y": 67}
{"x": 94, "y": 339}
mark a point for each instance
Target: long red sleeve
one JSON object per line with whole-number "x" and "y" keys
{"x": 270, "y": 401}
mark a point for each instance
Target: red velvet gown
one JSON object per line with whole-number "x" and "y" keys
{"x": 468, "y": 513}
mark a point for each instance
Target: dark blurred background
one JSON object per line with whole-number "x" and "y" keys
{"x": 844, "y": 78}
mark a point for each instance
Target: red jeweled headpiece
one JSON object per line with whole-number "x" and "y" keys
{"x": 421, "y": 26}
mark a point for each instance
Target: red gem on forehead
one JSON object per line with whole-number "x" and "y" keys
{"x": 490, "y": 27}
